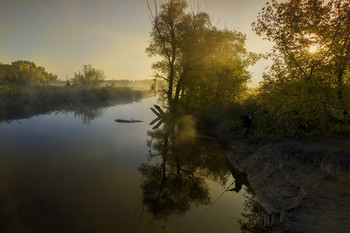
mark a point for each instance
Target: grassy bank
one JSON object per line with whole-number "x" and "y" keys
{"x": 18, "y": 102}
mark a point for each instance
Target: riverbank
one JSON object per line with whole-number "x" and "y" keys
{"x": 303, "y": 186}
{"x": 19, "y": 102}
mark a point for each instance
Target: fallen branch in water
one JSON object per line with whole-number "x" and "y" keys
{"x": 127, "y": 121}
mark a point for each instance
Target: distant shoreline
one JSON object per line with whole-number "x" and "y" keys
{"x": 137, "y": 85}
{"x": 20, "y": 102}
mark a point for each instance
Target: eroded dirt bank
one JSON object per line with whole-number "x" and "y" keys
{"x": 305, "y": 187}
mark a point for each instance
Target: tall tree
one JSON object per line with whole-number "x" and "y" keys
{"x": 221, "y": 77}
{"x": 184, "y": 40}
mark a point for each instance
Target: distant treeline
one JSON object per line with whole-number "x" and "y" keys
{"x": 144, "y": 84}
{"x": 19, "y": 102}
{"x": 25, "y": 73}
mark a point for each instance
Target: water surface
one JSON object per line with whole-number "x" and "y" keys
{"x": 63, "y": 173}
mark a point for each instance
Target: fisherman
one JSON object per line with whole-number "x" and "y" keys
{"x": 247, "y": 119}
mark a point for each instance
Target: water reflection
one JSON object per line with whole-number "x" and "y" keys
{"x": 180, "y": 165}
{"x": 58, "y": 175}
{"x": 253, "y": 221}
{"x": 86, "y": 111}
{"x": 240, "y": 179}
{"x": 253, "y": 215}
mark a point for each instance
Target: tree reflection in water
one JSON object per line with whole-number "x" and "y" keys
{"x": 87, "y": 111}
{"x": 87, "y": 114}
{"x": 180, "y": 164}
{"x": 254, "y": 217}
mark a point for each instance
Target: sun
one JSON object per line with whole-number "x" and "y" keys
{"x": 313, "y": 49}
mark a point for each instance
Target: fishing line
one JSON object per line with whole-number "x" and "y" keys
{"x": 212, "y": 204}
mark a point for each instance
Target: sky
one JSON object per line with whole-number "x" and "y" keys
{"x": 111, "y": 35}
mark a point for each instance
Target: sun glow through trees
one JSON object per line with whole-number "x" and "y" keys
{"x": 313, "y": 49}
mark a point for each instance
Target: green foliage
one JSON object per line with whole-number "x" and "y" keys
{"x": 298, "y": 109}
{"x": 221, "y": 77}
{"x": 200, "y": 64}
{"x": 88, "y": 77}
{"x": 305, "y": 92}
{"x": 24, "y": 73}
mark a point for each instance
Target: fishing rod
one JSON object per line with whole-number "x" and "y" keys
{"x": 212, "y": 204}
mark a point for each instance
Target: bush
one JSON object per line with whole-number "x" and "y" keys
{"x": 88, "y": 77}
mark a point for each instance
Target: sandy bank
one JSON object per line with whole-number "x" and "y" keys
{"x": 304, "y": 186}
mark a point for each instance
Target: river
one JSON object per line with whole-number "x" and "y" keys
{"x": 72, "y": 172}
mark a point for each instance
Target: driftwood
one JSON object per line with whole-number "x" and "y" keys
{"x": 160, "y": 116}
{"x": 127, "y": 121}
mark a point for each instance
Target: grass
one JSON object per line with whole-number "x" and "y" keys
{"x": 18, "y": 102}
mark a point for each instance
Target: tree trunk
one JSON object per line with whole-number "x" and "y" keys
{"x": 340, "y": 92}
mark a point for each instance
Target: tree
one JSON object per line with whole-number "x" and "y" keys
{"x": 307, "y": 84}
{"x": 187, "y": 43}
{"x": 88, "y": 77}
{"x": 25, "y": 72}
{"x": 221, "y": 77}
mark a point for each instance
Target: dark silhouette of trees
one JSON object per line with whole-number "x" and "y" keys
{"x": 193, "y": 52}
{"x": 253, "y": 221}
{"x": 175, "y": 178}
